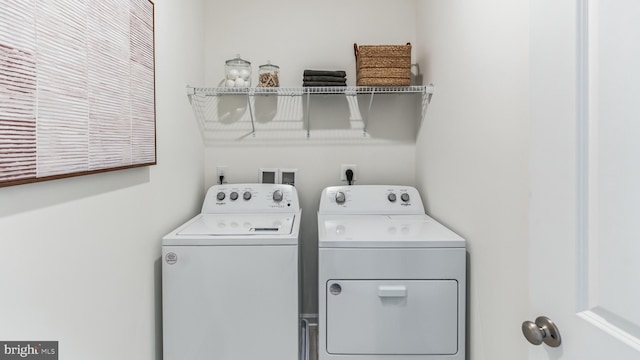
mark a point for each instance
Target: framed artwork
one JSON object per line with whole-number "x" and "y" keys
{"x": 77, "y": 88}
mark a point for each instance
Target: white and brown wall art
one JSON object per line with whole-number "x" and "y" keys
{"x": 76, "y": 88}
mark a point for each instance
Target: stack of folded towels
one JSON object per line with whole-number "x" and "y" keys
{"x": 324, "y": 78}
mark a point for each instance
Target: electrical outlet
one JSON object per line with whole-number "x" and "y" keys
{"x": 222, "y": 171}
{"x": 345, "y": 167}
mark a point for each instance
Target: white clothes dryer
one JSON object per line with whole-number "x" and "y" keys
{"x": 392, "y": 280}
{"x": 230, "y": 277}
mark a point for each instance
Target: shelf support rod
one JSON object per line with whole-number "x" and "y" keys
{"x": 429, "y": 92}
{"x": 308, "y": 114}
{"x": 253, "y": 125}
{"x": 366, "y": 119}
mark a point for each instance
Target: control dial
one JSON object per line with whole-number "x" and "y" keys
{"x": 277, "y": 195}
{"x": 233, "y": 196}
{"x": 246, "y": 195}
{"x": 404, "y": 197}
{"x": 392, "y": 197}
{"x": 340, "y": 198}
{"x": 220, "y": 196}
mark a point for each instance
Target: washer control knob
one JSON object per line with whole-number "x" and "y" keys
{"x": 246, "y": 195}
{"x": 220, "y": 196}
{"x": 340, "y": 198}
{"x": 277, "y": 195}
{"x": 405, "y": 197}
{"x": 233, "y": 196}
{"x": 392, "y": 197}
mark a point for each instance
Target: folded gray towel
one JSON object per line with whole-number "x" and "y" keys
{"x": 325, "y": 78}
{"x": 322, "y": 83}
{"x": 337, "y": 73}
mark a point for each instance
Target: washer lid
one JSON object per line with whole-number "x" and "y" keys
{"x": 236, "y": 230}
{"x": 384, "y": 231}
{"x": 239, "y": 225}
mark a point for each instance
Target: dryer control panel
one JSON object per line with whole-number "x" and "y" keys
{"x": 250, "y": 198}
{"x": 371, "y": 199}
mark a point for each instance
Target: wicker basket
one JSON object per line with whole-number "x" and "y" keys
{"x": 383, "y": 65}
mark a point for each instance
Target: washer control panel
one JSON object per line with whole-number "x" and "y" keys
{"x": 371, "y": 199}
{"x": 248, "y": 198}
{"x": 404, "y": 197}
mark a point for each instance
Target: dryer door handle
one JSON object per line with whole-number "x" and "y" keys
{"x": 392, "y": 291}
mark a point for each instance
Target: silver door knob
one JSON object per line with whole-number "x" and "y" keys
{"x": 543, "y": 330}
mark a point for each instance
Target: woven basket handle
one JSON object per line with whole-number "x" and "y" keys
{"x": 355, "y": 49}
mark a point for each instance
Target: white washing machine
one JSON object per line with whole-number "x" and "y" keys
{"x": 392, "y": 280}
{"x": 230, "y": 277}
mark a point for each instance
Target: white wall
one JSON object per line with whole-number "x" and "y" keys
{"x": 472, "y": 156}
{"x": 80, "y": 257}
{"x": 298, "y": 35}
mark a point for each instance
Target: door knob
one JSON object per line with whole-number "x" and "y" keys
{"x": 543, "y": 330}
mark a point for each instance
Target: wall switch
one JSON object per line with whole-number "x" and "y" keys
{"x": 221, "y": 171}
{"x": 343, "y": 171}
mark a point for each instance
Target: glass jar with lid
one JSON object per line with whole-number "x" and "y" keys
{"x": 237, "y": 72}
{"x": 268, "y": 75}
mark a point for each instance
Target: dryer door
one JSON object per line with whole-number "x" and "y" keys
{"x": 392, "y": 317}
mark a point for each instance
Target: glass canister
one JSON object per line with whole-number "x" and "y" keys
{"x": 237, "y": 72}
{"x": 268, "y": 75}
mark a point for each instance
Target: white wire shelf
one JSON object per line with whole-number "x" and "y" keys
{"x": 241, "y": 113}
{"x": 299, "y": 91}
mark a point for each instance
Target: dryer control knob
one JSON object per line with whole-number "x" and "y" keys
{"x": 233, "y": 196}
{"x": 392, "y": 197}
{"x": 277, "y": 195}
{"x": 220, "y": 196}
{"x": 340, "y": 198}
{"x": 405, "y": 197}
{"x": 246, "y": 195}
